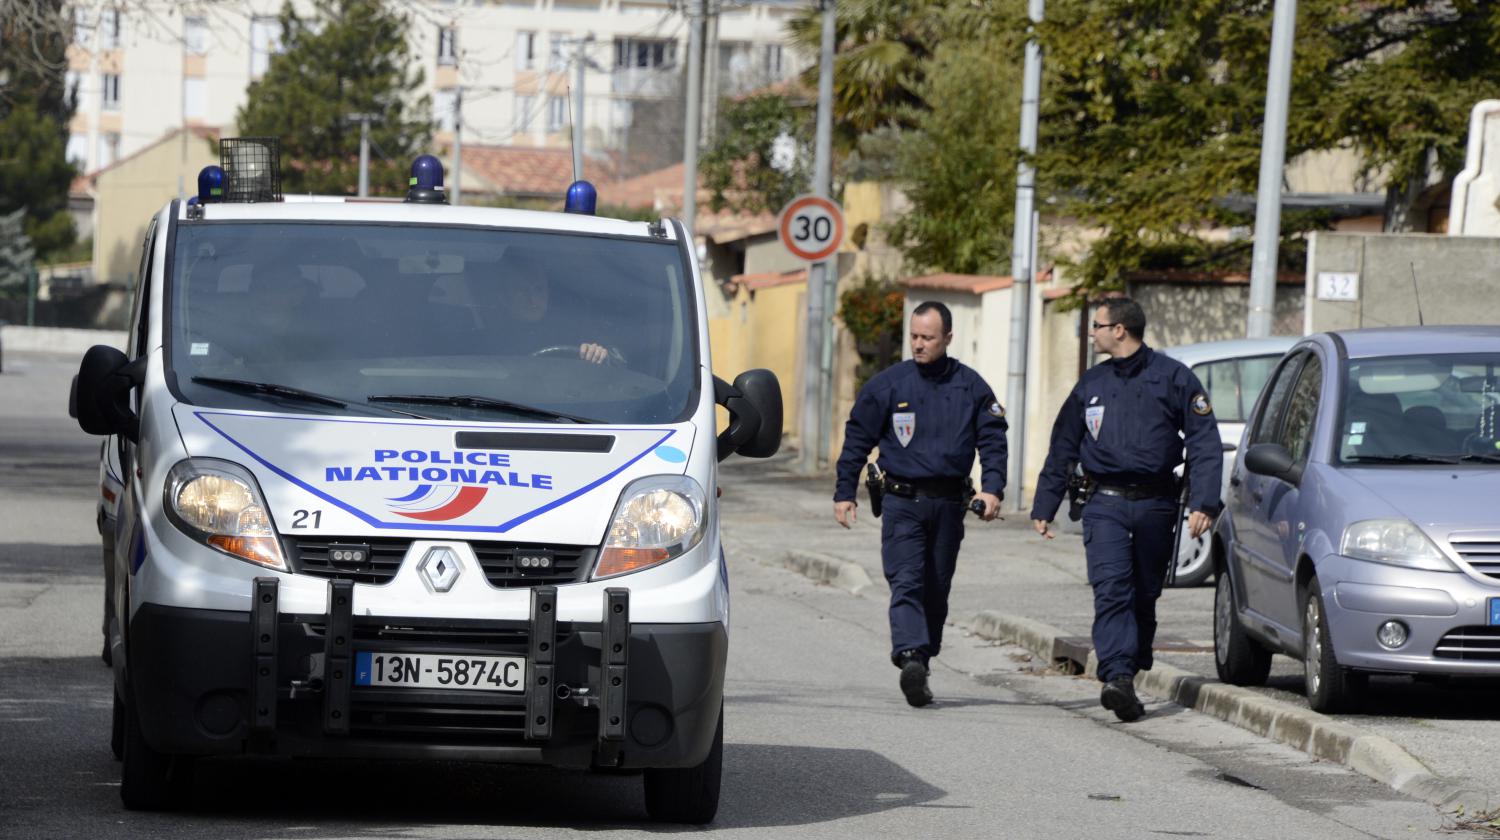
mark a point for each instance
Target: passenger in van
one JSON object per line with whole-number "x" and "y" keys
{"x": 517, "y": 315}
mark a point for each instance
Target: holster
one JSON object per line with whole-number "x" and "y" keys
{"x": 875, "y": 483}
{"x": 1080, "y": 490}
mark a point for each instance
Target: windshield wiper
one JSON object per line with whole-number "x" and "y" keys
{"x": 1403, "y": 459}
{"x": 471, "y": 401}
{"x": 270, "y": 388}
{"x": 1487, "y": 457}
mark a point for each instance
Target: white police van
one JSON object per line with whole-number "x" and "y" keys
{"x": 417, "y": 481}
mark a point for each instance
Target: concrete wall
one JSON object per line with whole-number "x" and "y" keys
{"x": 1454, "y": 280}
{"x": 129, "y": 194}
{"x": 1187, "y": 313}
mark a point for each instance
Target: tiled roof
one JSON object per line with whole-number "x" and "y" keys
{"x": 644, "y": 190}
{"x": 974, "y": 284}
{"x": 661, "y": 192}
{"x": 525, "y": 170}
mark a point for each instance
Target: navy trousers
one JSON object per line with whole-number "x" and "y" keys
{"x": 1128, "y": 545}
{"x": 919, "y": 541}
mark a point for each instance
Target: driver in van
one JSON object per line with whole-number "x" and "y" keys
{"x": 514, "y": 308}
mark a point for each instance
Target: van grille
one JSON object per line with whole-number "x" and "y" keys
{"x": 1482, "y": 555}
{"x": 311, "y": 556}
{"x": 1478, "y": 642}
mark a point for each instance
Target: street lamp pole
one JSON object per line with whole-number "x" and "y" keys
{"x": 1272, "y": 161}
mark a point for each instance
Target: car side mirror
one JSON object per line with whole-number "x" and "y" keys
{"x": 100, "y": 396}
{"x": 1271, "y": 459}
{"x": 754, "y": 406}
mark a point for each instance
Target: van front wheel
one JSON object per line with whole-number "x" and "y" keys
{"x": 688, "y": 794}
{"x": 149, "y": 780}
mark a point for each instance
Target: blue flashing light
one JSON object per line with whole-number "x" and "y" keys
{"x": 582, "y": 198}
{"x": 210, "y": 184}
{"x": 426, "y": 173}
{"x": 192, "y": 201}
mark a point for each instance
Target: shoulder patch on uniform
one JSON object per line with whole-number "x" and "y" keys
{"x": 996, "y": 410}
{"x": 1200, "y": 405}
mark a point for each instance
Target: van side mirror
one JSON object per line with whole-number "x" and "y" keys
{"x": 754, "y": 405}
{"x": 1271, "y": 459}
{"x": 100, "y": 396}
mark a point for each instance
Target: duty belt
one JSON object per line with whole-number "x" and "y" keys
{"x": 1136, "y": 492}
{"x": 932, "y": 488}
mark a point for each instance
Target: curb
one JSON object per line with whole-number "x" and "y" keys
{"x": 1318, "y": 735}
{"x": 850, "y": 577}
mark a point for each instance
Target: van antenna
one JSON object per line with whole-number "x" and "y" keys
{"x": 1416, "y": 293}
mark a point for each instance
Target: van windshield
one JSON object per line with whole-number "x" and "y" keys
{"x": 1422, "y": 409}
{"x": 458, "y": 323}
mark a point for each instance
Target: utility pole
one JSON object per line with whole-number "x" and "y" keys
{"x": 1023, "y": 261}
{"x": 456, "y": 192}
{"x": 816, "y": 373}
{"x": 1272, "y": 160}
{"x": 711, "y": 80}
{"x": 580, "y": 66}
{"x": 690, "y": 122}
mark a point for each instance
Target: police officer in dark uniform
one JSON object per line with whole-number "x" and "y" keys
{"x": 1125, "y": 423}
{"x": 928, "y": 416}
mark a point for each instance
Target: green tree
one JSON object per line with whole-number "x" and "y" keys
{"x": 881, "y": 49}
{"x": 350, "y": 57}
{"x": 762, "y": 157}
{"x": 17, "y": 257}
{"x": 957, "y": 162}
{"x": 1152, "y": 113}
{"x": 35, "y": 107}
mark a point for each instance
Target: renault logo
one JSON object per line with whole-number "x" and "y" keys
{"x": 439, "y": 568}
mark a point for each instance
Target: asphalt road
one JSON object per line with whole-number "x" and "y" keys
{"x": 819, "y": 743}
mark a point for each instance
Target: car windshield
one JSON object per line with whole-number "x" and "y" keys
{"x": 1422, "y": 409}
{"x": 444, "y": 322}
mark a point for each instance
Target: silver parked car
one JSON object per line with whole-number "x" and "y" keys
{"x": 1233, "y": 372}
{"x": 1361, "y": 533}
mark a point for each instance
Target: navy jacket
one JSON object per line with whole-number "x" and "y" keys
{"x": 1126, "y": 421}
{"x": 944, "y": 410}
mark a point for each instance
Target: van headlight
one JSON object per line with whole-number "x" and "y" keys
{"x": 219, "y": 504}
{"x": 1398, "y": 542}
{"x": 658, "y": 518}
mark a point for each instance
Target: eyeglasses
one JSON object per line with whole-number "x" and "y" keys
{"x": 1099, "y": 326}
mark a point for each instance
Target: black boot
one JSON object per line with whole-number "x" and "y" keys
{"x": 914, "y": 671}
{"x": 1119, "y": 697}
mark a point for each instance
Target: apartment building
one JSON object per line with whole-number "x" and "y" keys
{"x": 504, "y": 67}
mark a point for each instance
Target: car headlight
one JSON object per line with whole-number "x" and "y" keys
{"x": 1398, "y": 542}
{"x": 218, "y": 503}
{"x": 658, "y": 518}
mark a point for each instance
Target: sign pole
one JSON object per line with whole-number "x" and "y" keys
{"x": 814, "y": 374}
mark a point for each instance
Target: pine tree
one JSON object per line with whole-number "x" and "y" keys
{"x": 350, "y": 57}
{"x": 35, "y": 107}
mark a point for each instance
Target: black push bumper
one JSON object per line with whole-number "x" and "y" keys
{"x": 608, "y": 694}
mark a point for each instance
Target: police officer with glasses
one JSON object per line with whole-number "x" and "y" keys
{"x": 1125, "y": 422}
{"x": 928, "y": 414}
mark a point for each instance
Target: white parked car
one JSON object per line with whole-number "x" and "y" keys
{"x": 1233, "y": 372}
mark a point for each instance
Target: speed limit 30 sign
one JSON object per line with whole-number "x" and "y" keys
{"x": 811, "y": 227}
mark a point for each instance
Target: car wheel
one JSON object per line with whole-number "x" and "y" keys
{"x": 1194, "y": 558}
{"x": 1239, "y": 659}
{"x": 150, "y": 780}
{"x": 1330, "y": 687}
{"x": 688, "y": 794}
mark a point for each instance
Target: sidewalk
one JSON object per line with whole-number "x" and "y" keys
{"x": 1426, "y": 740}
